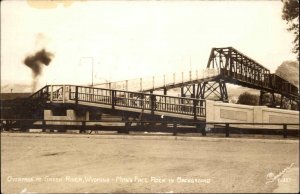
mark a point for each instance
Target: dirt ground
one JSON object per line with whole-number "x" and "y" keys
{"x": 80, "y": 163}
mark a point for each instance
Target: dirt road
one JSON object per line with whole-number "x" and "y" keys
{"x": 71, "y": 163}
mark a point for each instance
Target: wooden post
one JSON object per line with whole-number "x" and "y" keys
{"x": 44, "y": 126}
{"x": 76, "y": 95}
{"x": 284, "y": 131}
{"x": 195, "y": 109}
{"x": 152, "y": 102}
{"x": 113, "y": 99}
{"x": 175, "y": 129}
{"x": 193, "y": 95}
{"x": 127, "y": 126}
{"x": 69, "y": 91}
{"x": 83, "y": 124}
{"x": 47, "y": 92}
{"x": 227, "y": 130}
{"x": 63, "y": 92}
{"x": 142, "y": 102}
{"x": 203, "y": 129}
{"x": 141, "y": 84}
{"x": 51, "y": 95}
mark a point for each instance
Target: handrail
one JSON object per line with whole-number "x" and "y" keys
{"x": 155, "y": 102}
{"x": 123, "y": 98}
{"x": 141, "y": 93}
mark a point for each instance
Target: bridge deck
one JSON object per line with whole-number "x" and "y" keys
{"x": 133, "y": 110}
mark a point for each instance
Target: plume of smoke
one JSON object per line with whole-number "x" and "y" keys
{"x": 35, "y": 63}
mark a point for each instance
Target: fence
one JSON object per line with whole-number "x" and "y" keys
{"x": 174, "y": 127}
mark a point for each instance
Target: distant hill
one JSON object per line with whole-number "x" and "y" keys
{"x": 289, "y": 70}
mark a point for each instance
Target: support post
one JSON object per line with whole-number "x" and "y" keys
{"x": 195, "y": 109}
{"x": 142, "y": 102}
{"x": 70, "y": 90}
{"x": 76, "y": 95}
{"x": 83, "y": 124}
{"x": 51, "y": 95}
{"x": 44, "y": 126}
{"x": 47, "y": 92}
{"x": 113, "y": 99}
{"x": 174, "y": 129}
{"x": 63, "y": 93}
{"x": 227, "y": 130}
{"x": 182, "y": 91}
{"x": 284, "y": 131}
{"x": 193, "y": 95}
{"x": 127, "y": 126}
{"x": 152, "y": 102}
{"x": 201, "y": 126}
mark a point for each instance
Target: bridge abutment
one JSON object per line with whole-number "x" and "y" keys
{"x": 65, "y": 117}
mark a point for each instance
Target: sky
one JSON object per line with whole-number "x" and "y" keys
{"x": 130, "y": 39}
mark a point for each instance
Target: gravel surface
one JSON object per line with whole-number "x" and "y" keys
{"x": 78, "y": 163}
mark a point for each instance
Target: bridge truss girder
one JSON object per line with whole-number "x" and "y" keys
{"x": 205, "y": 89}
{"x": 283, "y": 102}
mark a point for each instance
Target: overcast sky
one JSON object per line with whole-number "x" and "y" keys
{"x": 134, "y": 39}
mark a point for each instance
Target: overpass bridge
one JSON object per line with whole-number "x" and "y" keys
{"x": 225, "y": 65}
{"x": 138, "y": 100}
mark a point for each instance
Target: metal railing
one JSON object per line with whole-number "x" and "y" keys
{"x": 159, "y": 81}
{"x": 137, "y": 100}
{"x": 120, "y": 98}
